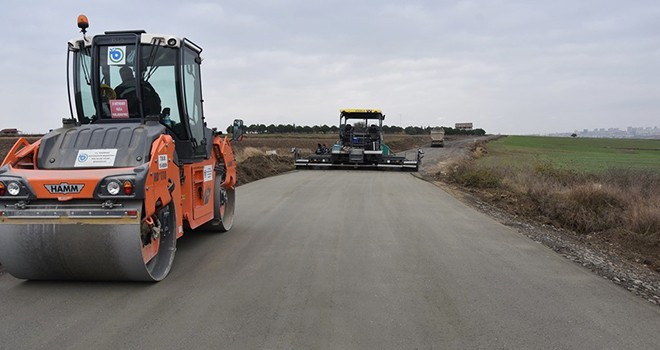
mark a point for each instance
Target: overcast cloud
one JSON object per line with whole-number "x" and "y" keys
{"x": 511, "y": 67}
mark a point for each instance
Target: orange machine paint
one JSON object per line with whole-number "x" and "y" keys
{"x": 193, "y": 199}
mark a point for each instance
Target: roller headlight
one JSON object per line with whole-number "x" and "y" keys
{"x": 113, "y": 187}
{"x": 13, "y": 188}
{"x": 118, "y": 186}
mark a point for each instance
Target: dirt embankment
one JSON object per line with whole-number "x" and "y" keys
{"x": 262, "y": 166}
{"x": 6, "y": 143}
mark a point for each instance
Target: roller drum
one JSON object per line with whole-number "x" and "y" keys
{"x": 82, "y": 249}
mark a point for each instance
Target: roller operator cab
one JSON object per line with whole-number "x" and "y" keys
{"x": 106, "y": 196}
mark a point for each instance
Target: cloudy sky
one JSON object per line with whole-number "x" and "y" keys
{"x": 510, "y": 67}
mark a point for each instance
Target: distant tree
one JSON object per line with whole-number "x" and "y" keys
{"x": 359, "y": 125}
{"x": 415, "y": 130}
{"x": 387, "y": 129}
{"x": 452, "y": 131}
{"x": 573, "y": 135}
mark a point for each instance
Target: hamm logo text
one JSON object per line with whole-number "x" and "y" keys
{"x": 64, "y": 188}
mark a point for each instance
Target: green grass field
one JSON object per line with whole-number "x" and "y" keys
{"x": 580, "y": 154}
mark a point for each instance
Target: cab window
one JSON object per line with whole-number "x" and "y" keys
{"x": 193, "y": 99}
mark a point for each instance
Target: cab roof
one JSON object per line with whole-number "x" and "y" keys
{"x": 359, "y": 110}
{"x": 145, "y": 39}
{"x": 360, "y": 113}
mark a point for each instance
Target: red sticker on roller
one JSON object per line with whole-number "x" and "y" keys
{"x": 119, "y": 109}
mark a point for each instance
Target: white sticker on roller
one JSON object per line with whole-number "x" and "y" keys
{"x": 162, "y": 161}
{"x": 208, "y": 173}
{"x": 90, "y": 158}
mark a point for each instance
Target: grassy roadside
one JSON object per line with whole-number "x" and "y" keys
{"x": 600, "y": 187}
{"x": 586, "y": 155}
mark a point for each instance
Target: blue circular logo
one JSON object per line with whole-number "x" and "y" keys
{"x": 82, "y": 157}
{"x": 116, "y": 54}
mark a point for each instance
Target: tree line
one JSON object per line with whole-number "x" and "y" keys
{"x": 325, "y": 129}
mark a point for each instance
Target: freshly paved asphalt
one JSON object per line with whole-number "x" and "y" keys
{"x": 341, "y": 260}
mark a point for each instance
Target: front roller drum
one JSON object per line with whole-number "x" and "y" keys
{"x": 90, "y": 249}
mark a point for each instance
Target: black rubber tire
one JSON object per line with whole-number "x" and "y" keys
{"x": 159, "y": 267}
{"x": 223, "y": 218}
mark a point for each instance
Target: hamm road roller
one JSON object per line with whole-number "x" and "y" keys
{"x": 106, "y": 196}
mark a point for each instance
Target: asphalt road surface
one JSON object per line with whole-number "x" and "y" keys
{"x": 341, "y": 260}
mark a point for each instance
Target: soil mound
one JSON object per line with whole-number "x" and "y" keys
{"x": 262, "y": 166}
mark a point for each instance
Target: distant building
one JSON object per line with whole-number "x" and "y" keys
{"x": 463, "y": 126}
{"x": 648, "y": 132}
{"x": 9, "y": 132}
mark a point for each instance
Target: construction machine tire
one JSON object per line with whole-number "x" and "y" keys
{"x": 90, "y": 250}
{"x": 223, "y": 207}
{"x": 159, "y": 266}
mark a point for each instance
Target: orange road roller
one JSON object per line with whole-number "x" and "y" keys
{"x": 107, "y": 195}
